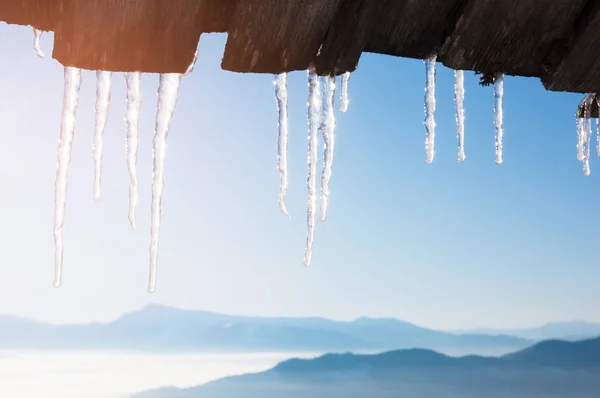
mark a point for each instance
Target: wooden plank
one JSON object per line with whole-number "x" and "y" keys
{"x": 576, "y": 62}
{"x": 509, "y": 36}
{"x": 41, "y": 14}
{"x": 413, "y": 28}
{"x": 274, "y": 36}
{"x": 129, "y": 35}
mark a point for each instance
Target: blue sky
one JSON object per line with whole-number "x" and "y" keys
{"x": 442, "y": 245}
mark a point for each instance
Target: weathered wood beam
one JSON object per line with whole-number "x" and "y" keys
{"x": 574, "y": 63}
{"x": 275, "y": 36}
{"x": 511, "y": 37}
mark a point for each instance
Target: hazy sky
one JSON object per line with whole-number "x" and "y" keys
{"x": 441, "y": 245}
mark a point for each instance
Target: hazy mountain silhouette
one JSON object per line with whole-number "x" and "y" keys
{"x": 572, "y": 331}
{"x": 160, "y": 328}
{"x": 548, "y": 369}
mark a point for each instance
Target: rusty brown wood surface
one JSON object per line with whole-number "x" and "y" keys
{"x": 557, "y": 41}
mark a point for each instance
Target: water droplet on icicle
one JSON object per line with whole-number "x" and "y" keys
{"x": 314, "y": 122}
{"x": 132, "y": 121}
{"x": 430, "y": 107}
{"x": 67, "y": 133}
{"x": 498, "y": 115}
{"x": 344, "y": 101}
{"x": 103, "y": 85}
{"x": 459, "y": 101}
{"x": 37, "y": 35}
{"x": 328, "y": 132}
{"x": 168, "y": 94}
{"x": 281, "y": 95}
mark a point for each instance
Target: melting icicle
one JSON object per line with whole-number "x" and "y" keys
{"x": 190, "y": 68}
{"x": 498, "y": 115}
{"x": 580, "y": 138}
{"x": 328, "y": 131}
{"x": 314, "y": 121}
{"x": 587, "y": 133}
{"x": 168, "y": 93}
{"x": 430, "y": 108}
{"x": 37, "y": 35}
{"x": 281, "y": 95}
{"x": 597, "y": 128}
{"x": 67, "y": 132}
{"x": 132, "y": 120}
{"x": 459, "y": 100}
{"x": 103, "y": 84}
{"x": 344, "y": 93}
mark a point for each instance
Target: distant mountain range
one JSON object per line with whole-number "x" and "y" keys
{"x": 571, "y": 331}
{"x": 160, "y": 328}
{"x": 550, "y": 369}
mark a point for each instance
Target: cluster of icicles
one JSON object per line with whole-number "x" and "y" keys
{"x": 584, "y": 133}
{"x": 459, "y": 100}
{"x": 321, "y": 119}
{"x": 168, "y": 92}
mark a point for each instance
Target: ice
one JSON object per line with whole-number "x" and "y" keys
{"x": 281, "y": 95}
{"x": 314, "y": 121}
{"x": 328, "y": 131}
{"x": 430, "y": 108}
{"x": 168, "y": 93}
{"x": 190, "y": 68}
{"x": 587, "y": 133}
{"x": 459, "y": 100}
{"x": 103, "y": 83}
{"x": 580, "y": 138}
{"x": 344, "y": 93}
{"x": 67, "y": 132}
{"x": 37, "y": 35}
{"x": 498, "y": 115}
{"x": 132, "y": 120}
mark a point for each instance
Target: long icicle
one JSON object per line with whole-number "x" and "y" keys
{"x": 314, "y": 121}
{"x": 281, "y": 95}
{"x": 587, "y": 133}
{"x": 37, "y": 35}
{"x": 598, "y": 127}
{"x": 459, "y": 100}
{"x": 67, "y": 133}
{"x": 328, "y": 131}
{"x": 103, "y": 86}
{"x": 430, "y": 108}
{"x": 499, "y": 115}
{"x": 344, "y": 101}
{"x": 132, "y": 120}
{"x": 168, "y": 94}
{"x": 580, "y": 138}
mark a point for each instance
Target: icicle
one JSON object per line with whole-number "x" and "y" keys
{"x": 67, "y": 132}
{"x": 598, "y": 128}
{"x": 344, "y": 93}
{"x": 281, "y": 95}
{"x": 103, "y": 84}
{"x": 190, "y": 68}
{"x": 132, "y": 120}
{"x": 328, "y": 131}
{"x": 587, "y": 133}
{"x": 430, "y": 107}
{"x": 498, "y": 115}
{"x": 580, "y": 138}
{"x": 37, "y": 35}
{"x": 314, "y": 121}
{"x": 459, "y": 100}
{"x": 168, "y": 93}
